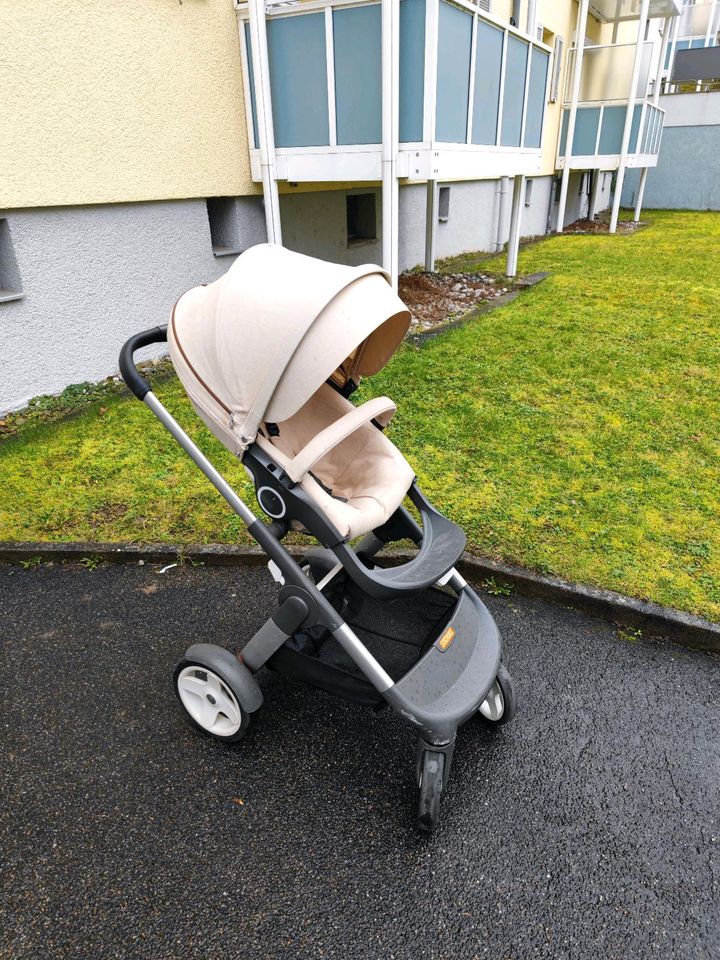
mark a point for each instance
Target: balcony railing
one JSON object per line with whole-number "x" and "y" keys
{"x": 472, "y": 91}
{"x": 597, "y": 143}
{"x": 606, "y": 69}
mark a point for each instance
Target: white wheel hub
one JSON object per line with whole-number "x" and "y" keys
{"x": 209, "y": 701}
{"x": 493, "y": 706}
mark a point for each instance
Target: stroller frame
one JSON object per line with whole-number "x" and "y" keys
{"x": 459, "y": 675}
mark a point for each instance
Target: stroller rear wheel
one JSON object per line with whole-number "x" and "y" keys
{"x": 499, "y": 705}
{"x": 210, "y": 702}
{"x": 430, "y": 785}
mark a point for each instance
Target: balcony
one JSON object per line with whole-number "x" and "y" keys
{"x": 597, "y": 143}
{"x": 602, "y": 107}
{"x": 472, "y": 91}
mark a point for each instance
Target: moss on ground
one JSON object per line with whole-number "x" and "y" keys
{"x": 575, "y": 431}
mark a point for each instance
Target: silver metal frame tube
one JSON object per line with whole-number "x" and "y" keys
{"x": 359, "y": 653}
{"x": 199, "y": 458}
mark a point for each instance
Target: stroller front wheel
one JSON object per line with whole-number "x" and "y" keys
{"x": 210, "y": 702}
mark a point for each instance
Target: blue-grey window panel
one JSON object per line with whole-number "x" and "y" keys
{"x": 647, "y": 132}
{"x": 658, "y": 132}
{"x": 453, "y": 74}
{"x": 612, "y": 130}
{"x": 563, "y": 131}
{"x": 514, "y": 94}
{"x": 536, "y": 97}
{"x": 486, "y": 98}
{"x": 251, "y": 81}
{"x": 358, "y": 74}
{"x": 637, "y": 113}
{"x": 586, "y": 129}
{"x": 298, "y": 80}
{"x": 412, "y": 70}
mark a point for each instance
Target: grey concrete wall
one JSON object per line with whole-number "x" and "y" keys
{"x": 686, "y": 177}
{"x": 316, "y": 224}
{"x": 91, "y": 276}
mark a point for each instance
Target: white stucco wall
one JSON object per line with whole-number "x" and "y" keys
{"x": 91, "y": 277}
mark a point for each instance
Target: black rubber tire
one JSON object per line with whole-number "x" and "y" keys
{"x": 244, "y": 715}
{"x": 429, "y": 791}
{"x": 508, "y": 693}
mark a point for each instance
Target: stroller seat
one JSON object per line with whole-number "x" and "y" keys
{"x": 359, "y": 482}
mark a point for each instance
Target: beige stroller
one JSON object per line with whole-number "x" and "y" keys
{"x": 269, "y": 356}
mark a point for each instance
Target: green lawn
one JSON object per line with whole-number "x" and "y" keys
{"x": 575, "y": 431}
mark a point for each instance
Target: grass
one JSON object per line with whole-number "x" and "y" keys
{"x": 575, "y": 431}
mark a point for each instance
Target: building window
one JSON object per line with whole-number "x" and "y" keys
{"x": 444, "y": 204}
{"x": 528, "y": 191}
{"x": 361, "y": 218}
{"x": 10, "y": 282}
{"x": 225, "y": 226}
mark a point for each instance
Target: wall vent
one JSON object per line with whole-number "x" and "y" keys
{"x": 444, "y": 204}
{"x": 485, "y": 5}
{"x": 557, "y": 67}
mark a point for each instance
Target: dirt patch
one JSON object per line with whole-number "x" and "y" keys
{"x": 602, "y": 225}
{"x": 435, "y": 298}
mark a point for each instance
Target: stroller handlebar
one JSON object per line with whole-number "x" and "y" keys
{"x": 139, "y": 386}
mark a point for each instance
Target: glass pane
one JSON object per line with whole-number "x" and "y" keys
{"x": 358, "y": 74}
{"x": 514, "y": 95}
{"x": 536, "y": 97}
{"x": 486, "y": 96}
{"x": 298, "y": 80}
{"x": 611, "y": 134}
{"x": 453, "y": 74}
{"x": 412, "y": 69}
{"x": 586, "y": 129}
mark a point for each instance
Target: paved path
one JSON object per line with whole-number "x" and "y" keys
{"x": 589, "y": 828}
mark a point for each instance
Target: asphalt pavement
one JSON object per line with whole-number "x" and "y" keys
{"x": 587, "y": 828}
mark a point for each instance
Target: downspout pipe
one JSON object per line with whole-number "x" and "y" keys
{"x": 502, "y": 192}
{"x": 516, "y": 12}
{"x": 531, "y": 17}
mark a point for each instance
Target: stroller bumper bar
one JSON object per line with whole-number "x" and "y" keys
{"x": 139, "y": 386}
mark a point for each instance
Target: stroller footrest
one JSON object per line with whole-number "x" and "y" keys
{"x": 441, "y": 544}
{"x": 452, "y": 679}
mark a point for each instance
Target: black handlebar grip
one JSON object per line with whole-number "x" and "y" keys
{"x": 132, "y": 378}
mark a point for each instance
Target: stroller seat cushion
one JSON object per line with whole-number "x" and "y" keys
{"x": 358, "y": 482}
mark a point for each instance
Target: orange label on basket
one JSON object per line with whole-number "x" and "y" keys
{"x": 447, "y": 638}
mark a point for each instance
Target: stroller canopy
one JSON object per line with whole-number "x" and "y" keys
{"x": 256, "y": 344}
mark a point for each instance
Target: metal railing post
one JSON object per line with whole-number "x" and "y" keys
{"x": 266, "y": 135}
{"x": 577, "y": 72}
{"x": 629, "y": 116}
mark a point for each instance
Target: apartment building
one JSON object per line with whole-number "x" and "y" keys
{"x": 148, "y": 144}
{"x": 687, "y": 175}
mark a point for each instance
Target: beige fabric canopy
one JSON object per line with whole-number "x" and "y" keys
{"x": 256, "y": 344}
